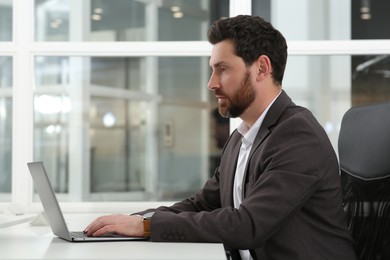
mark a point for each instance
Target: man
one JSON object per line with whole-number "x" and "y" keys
{"x": 276, "y": 193}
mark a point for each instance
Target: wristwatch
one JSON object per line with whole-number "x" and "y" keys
{"x": 146, "y": 219}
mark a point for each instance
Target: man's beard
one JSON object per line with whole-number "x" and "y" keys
{"x": 241, "y": 99}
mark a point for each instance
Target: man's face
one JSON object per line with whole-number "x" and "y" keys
{"x": 230, "y": 80}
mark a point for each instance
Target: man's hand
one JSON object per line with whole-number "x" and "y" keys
{"x": 121, "y": 224}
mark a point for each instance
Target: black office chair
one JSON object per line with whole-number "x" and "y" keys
{"x": 364, "y": 153}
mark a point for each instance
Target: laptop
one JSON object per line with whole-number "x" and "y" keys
{"x": 54, "y": 214}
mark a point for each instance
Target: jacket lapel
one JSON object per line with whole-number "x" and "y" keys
{"x": 232, "y": 167}
{"x": 228, "y": 167}
{"x": 272, "y": 116}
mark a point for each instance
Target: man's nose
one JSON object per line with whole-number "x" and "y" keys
{"x": 213, "y": 82}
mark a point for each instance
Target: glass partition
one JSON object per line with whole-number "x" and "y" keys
{"x": 322, "y": 84}
{"x": 6, "y": 8}
{"x": 125, "y": 20}
{"x": 109, "y": 131}
{"x": 6, "y": 82}
{"x": 307, "y": 20}
{"x": 125, "y": 128}
{"x": 370, "y": 79}
{"x": 326, "y": 19}
{"x": 144, "y": 128}
{"x": 330, "y": 85}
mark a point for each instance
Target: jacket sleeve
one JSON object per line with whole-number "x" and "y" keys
{"x": 206, "y": 199}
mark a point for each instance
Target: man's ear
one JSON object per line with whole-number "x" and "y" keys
{"x": 263, "y": 66}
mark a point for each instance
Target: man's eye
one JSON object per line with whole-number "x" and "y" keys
{"x": 218, "y": 70}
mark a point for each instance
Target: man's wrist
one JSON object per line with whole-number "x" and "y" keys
{"x": 147, "y": 219}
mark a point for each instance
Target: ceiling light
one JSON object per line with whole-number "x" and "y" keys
{"x": 178, "y": 14}
{"x": 365, "y": 16}
{"x": 96, "y": 17}
{"x": 175, "y": 9}
{"x": 109, "y": 119}
{"x": 98, "y": 10}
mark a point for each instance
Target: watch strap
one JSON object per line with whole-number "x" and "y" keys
{"x": 147, "y": 219}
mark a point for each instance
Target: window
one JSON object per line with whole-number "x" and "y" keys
{"x": 112, "y": 95}
{"x": 122, "y": 127}
{"x": 5, "y": 127}
{"x": 125, "y": 20}
{"x": 102, "y": 115}
{"x": 329, "y": 85}
{"x": 6, "y": 20}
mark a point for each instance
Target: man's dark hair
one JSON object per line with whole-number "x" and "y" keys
{"x": 252, "y": 36}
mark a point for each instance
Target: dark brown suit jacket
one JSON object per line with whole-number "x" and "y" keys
{"x": 292, "y": 202}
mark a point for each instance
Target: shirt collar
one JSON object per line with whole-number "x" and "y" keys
{"x": 249, "y": 134}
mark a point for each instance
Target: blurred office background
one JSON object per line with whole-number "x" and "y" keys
{"x": 112, "y": 94}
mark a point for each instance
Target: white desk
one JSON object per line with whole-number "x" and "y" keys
{"x": 24, "y": 241}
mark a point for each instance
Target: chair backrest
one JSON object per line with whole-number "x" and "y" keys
{"x": 364, "y": 154}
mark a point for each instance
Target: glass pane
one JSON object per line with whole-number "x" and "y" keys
{"x": 118, "y": 145}
{"x": 118, "y": 128}
{"x": 368, "y": 18}
{"x": 51, "y": 136}
{"x": 5, "y": 20}
{"x": 124, "y": 73}
{"x": 322, "y": 84}
{"x": 330, "y": 85}
{"x": 370, "y": 79}
{"x": 6, "y": 82}
{"x": 326, "y": 19}
{"x": 174, "y": 75}
{"x": 125, "y": 20}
